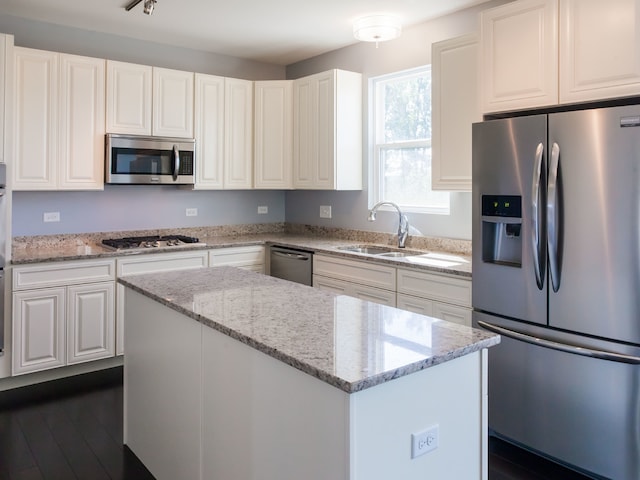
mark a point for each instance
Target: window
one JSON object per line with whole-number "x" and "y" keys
{"x": 401, "y": 154}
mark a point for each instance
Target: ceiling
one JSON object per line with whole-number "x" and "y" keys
{"x": 279, "y": 32}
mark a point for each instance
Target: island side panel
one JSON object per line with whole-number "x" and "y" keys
{"x": 265, "y": 420}
{"x": 384, "y": 417}
{"x": 162, "y": 393}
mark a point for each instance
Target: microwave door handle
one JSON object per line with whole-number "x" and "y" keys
{"x": 176, "y": 162}
{"x": 539, "y": 259}
{"x": 552, "y": 217}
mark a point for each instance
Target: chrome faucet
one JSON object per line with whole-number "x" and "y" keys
{"x": 403, "y": 222}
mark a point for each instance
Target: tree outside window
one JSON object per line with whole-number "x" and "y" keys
{"x": 402, "y": 142}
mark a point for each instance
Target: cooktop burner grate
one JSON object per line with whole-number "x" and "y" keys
{"x": 151, "y": 241}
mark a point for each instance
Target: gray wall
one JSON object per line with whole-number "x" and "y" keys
{"x": 128, "y": 207}
{"x": 56, "y": 38}
{"x": 412, "y": 49}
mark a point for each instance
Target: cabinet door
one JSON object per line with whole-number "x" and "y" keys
{"x": 519, "y": 55}
{"x": 273, "y": 134}
{"x": 172, "y": 103}
{"x": 304, "y": 132}
{"x": 129, "y": 88}
{"x": 455, "y": 107}
{"x": 6, "y": 74}
{"x": 238, "y": 145}
{"x": 373, "y": 294}
{"x": 331, "y": 285}
{"x": 90, "y": 322}
{"x": 38, "y": 330}
{"x": 82, "y": 123}
{"x": 209, "y": 131}
{"x": 599, "y": 49}
{"x": 324, "y": 171}
{"x": 36, "y": 119}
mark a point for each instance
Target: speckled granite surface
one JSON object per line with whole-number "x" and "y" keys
{"x": 348, "y": 343}
{"x": 456, "y": 259}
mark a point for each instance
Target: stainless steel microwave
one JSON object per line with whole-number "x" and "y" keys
{"x": 139, "y": 160}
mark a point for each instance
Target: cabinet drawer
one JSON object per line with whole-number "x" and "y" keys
{"x": 237, "y": 256}
{"x": 63, "y": 273}
{"x": 363, "y": 292}
{"x": 363, "y": 273}
{"x": 162, "y": 262}
{"x": 442, "y": 288}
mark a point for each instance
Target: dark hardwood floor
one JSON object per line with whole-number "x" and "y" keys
{"x": 72, "y": 429}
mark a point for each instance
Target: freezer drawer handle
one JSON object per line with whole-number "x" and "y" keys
{"x": 295, "y": 256}
{"x": 563, "y": 347}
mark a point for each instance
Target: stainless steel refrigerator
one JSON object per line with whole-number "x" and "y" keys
{"x": 556, "y": 271}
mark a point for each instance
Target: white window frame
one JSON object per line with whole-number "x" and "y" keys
{"x": 376, "y": 127}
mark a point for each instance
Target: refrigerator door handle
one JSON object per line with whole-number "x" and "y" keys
{"x": 537, "y": 243}
{"x": 563, "y": 347}
{"x": 552, "y": 217}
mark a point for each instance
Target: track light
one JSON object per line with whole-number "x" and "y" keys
{"x": 149, "y": 5}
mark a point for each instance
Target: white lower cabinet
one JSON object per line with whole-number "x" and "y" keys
{"x": 153, "y": 263}
{"x": 249, "y": 258}
{"x": 434, "y": 294}
{"x": 364, "y": 280}
{"x": 62, "y": 314}
{"x": 443, "y": 296}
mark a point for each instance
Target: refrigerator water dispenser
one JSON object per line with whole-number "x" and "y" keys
{"x": 501, "y": 229}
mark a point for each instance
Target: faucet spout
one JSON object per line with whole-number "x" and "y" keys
{"x": 403, "y": 221}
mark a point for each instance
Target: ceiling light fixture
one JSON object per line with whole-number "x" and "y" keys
{"x": 149, "y": 5}
{"x": 377, "y": 28}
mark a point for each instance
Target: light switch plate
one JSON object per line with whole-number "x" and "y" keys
{"x": 325, "y": 211}
{"x": 51, "y": 217}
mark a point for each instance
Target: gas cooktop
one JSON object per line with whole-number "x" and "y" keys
{"x": 153, "y": 241}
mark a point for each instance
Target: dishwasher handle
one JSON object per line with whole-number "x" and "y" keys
{"x": 294, "y": 256}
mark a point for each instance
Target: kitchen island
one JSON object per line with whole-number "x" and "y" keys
{"x": 230, "y": 374}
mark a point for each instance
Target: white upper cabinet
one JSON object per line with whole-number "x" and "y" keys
{"x": 59, "y": 121}
{"x": 455, "y": 107}
{"x": 82, "y": 123}
{"x": 519, "y": 55}
{"x": 209, "y": 131}
{"x": 143, "y": 100}
{"x": 172, "y": 103}
{"x": 545, "y": 52}
{"x": 129, "y": 89}
{"x": 327, "y": 131}
{"x": 273, "y": 134}
{"x": 599, "y": 49}
{"x": 238, "y": 135}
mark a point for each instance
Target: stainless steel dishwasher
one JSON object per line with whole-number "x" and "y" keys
{"x": 291, "y": 264}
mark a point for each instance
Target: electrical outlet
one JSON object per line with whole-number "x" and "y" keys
{"x": 424, "y": 442}
{"x": 51, "y": 217}
{"x": 325, "y": 211}
{"x": 262, "y": 209}
{"x": 191, "y": 212}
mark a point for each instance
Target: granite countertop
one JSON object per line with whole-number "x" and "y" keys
{"x": 346, "y": 342}
{"x": 438, "y": 259}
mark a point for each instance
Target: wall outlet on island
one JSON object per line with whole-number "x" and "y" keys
{"x": 51, "y": 217}
{"x": 191, "y": 212}
{"x": 325, "y": 211}
{"x": 425, "y": 441}
{"x": 262, "y": 209}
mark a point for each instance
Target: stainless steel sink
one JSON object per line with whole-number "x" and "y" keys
{"x": 380, "y": 251}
